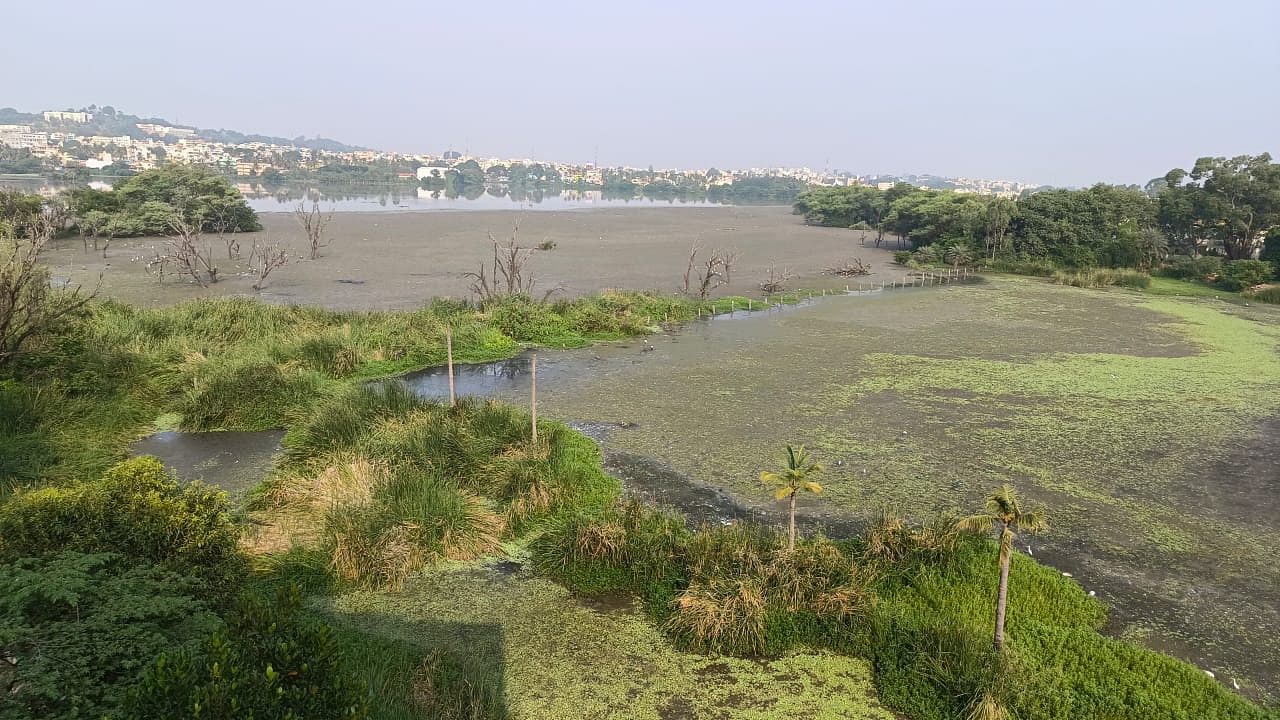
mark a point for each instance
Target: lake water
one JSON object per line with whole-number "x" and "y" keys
{"x": 398, "y": 199}
{"x": 419, "y": 200}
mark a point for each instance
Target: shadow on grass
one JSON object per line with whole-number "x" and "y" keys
{"x": 418, "y": 668}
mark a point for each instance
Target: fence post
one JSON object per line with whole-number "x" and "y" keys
{"x": 448, "y": 342}
{"x": 533, "y": 397}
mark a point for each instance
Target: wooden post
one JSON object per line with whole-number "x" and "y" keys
{"x": 448, "y": 342}
{"x": 533, "y": 397}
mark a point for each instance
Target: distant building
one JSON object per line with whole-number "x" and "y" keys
{"x": 166, "y": 130}
{"x": 67, "y": 116}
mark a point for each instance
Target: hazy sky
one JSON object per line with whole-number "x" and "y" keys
{"x": 1053, "y": 91}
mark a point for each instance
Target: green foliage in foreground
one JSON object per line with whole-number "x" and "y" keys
{"x": 917, "y": 602}
{"x": 137, "y": 510}
{"x": 272, "y": 661}
{"x": 79, "y": 628}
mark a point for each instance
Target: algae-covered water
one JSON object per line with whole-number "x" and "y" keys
{"x": 1147, "y": 425}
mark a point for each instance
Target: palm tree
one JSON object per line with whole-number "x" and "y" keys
{"x": 1005, "y": 514}
{"x": 793, "y": 479}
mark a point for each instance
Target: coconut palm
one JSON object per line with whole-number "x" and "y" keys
{"x": 793, "y": 479}
{"x": 1005, "y": 515}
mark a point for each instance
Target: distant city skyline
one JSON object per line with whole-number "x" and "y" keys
{"x": 1056, "y": 93}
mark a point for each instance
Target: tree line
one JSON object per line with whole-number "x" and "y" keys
{"x": 1228, "y": 207}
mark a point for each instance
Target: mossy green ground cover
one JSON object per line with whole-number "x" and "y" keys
{"x": 559, "y": 658}
{"x": 1116, "y": 408}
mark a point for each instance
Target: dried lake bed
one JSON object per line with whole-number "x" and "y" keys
{"x": 1148, "y": 425}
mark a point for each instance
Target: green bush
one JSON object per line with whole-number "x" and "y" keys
{"x": 78, "y": 629}
{"x": 1034, "y": 267}
{"x": 137, "y": 510}
{"x": 1103, "y": 277}
{"x": 1243, "y": 274}
{"x": 272, "y": 661}
{"x": 1185, "y": 267}
{"x": 902, "y": 257}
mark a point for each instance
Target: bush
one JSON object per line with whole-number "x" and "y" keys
{"x": 1243, "y": 274}
{"x": 272, "y": 661}
{"x": 1185, "y": 267}
{"x": 1103, "y": 277}
{"x": 1266, "y": 295}
{"x": 1033, "y": 267}
{"x": 137, "y": 510}
{"x": 902, "y": 257}
{"x": 247, "y": 395}
{"x": 77, "y": 629}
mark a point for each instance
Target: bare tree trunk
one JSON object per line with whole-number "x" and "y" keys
{"x": 448, "y": 340}
{"x": 791, "y": 524}
{"x": 1006, "y": 550}
{"x": 533, "y": 398}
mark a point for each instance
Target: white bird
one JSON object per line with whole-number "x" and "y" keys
{"x": 1029, "y": 550}
{"x": 1092, "y": 593}
{"x": 1235, "y": 684}
{"x": 1210, "y": 674}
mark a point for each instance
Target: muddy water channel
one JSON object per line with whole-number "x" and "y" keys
{"x": 922, "y": 401}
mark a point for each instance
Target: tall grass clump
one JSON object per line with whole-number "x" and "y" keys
{"x": 249, "y": 395}
{"x": 386, "y": 483}
{"x": 1265, "y": 295}
{"x": 1102, "y": 277}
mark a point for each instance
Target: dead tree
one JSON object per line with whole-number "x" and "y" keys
{"x": 185, "y": 250}
{"x": 777, "y": 280}
{"x": 264, "y": 258}
{"x": 223, "y": 221}
{"x": 509, "y": 274}
{"x": 849, "y": 268}
{"x": 313, "y": 224}
{"x": 29, "y": 304}
{"x": 712, "y": 272}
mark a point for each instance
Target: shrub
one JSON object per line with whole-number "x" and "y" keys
{"x": 272, "y": 661}
{"x": 1036, "y": 267}
{"x": 136, "y": 509}
{"x": 77, "y": 629}
{"x": 1266, "y": 295}
{"x": 1103, "y": 277}
{"x": 1185, "y": 267}
{"x": 902, "y": 257}
{"x": 1242, "y": 274}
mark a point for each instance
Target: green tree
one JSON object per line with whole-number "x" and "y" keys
{"x": 1004, "y": 513}
{"x": 995, "y": 232}
{"x": 1239, "y": 201}
{"x": 149, "y": 200}
{"x": 793, "y": 479}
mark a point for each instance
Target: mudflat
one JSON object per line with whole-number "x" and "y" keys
{"x": 392, "y": 260}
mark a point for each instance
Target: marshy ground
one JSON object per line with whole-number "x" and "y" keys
{"x": 397, "y": 260}
{"x": 1149, "y": 425}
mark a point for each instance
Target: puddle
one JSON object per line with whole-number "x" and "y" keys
{"x": 233, "y": 461}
